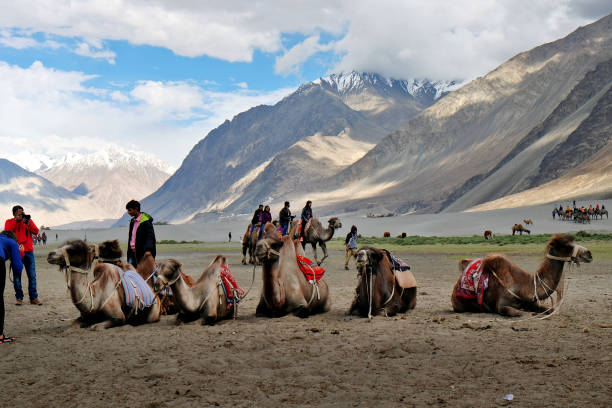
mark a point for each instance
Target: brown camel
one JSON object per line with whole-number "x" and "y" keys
{"x": 528, "y": 222}
{"x": 520, "y": 229}
{"x": 249, "y": 241}
{"x": 488, "y": 234}
{"x": 315, "y": 234}
{"x": 285, "y": 288}
{"x": 110, "y": 252}
{"x": 512, "y": 289}
{"x": 204, "y": 299}
{"x": 387, "y": 235}
{"x": 102, "y": 301}
{"x": 380, "y": 288}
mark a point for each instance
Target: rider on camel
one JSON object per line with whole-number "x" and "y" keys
{"x": 306, "y": 215}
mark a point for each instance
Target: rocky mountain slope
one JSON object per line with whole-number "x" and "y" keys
{"x": 47, "y": 203}
{"x": 110, "y": 177}
{"x": 470, "y": 132}
{"x": 261, "y": 154}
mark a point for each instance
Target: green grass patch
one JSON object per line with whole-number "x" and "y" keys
{"x": 173, "y": 242}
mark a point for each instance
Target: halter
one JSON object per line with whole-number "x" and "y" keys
{"x": 165, "y": 282}
{"x": 571, "y": 258}
{"x": 369, "y": 279}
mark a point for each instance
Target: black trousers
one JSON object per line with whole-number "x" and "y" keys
{"x": 2, "y": 283}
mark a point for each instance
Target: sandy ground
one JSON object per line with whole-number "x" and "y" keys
{"x": 427, "y": 357}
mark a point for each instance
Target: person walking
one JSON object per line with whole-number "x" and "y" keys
{"x": 23, "y": 226}
{"x": 141, "y": 235}
{"x": 306, "y": 215}
{"x": 230, "y": 236}
{"x": 9, "y": 250}
{"x": 285, "y": 218}
{"x": 351, "y": 245}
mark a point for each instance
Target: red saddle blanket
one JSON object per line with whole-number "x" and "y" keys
{"x": 473, "y": 282}
{"x": 229, "y": 283}
{"x": 310, "y": 269}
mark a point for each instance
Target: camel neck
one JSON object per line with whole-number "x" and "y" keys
{"x": 547, "y": 277}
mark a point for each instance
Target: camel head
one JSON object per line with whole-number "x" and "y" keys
{"x": 78, "y": 252}
{"x": 167, "y": 272}
{"x": 267, "y": 248}
{"x": 110, "y": 250}
{"x": 564, "y": 247}
{"x": 334, "y": 222}
{"x": 367, "y": 257}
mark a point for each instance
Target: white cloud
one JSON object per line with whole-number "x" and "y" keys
{"x": 48, "y": 112}
{"x": 436, "y": 38}
{"x": 242, "y": 85}
{"x": 85, "y": 50}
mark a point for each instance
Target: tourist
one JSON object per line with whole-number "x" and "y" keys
{"x": 264, "y": 218}
{"x": 285, "y": 218}
{"x": 9, "y": 250}
{"x": 141, "y": 235}
{"x": 306, "y": 215}
{"x": 351, "y": 245}
{"x": 23, "y": 226}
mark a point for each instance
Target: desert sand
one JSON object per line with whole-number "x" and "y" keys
{"x": 427, "y": 357}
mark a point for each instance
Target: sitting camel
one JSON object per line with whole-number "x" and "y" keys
{"x": 102, "y": 302}
{"x": 519, "y": 228}
{"x": 510, "y": 288}
{"x": 488, "y": 234}
{"x": 381, "y": 288}
{"x": 205, "y": 298}
{"x": 285, "y": 288}
{"x": 315, "y": 234}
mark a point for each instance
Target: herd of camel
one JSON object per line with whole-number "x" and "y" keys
{"x": 381, "y": 289}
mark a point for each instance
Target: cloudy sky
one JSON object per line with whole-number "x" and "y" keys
{"x": 157, "y": 76}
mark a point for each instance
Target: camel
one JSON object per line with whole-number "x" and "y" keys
{"x": 488, "y": 234}
{"x": 602, "y": 212}
{"x": 315, "y": 234}
{"x": 512, "y": 289}
{"x": 381, "y": 288}
{"x": 528, "y": 222}
{"x": 102, "y": 301}
{"x": 110, "y": 252}
{"x": 249, "y": 241}
{"x": 387, "y": 235}
{"x": 520, "y": 229}
{"x": 285, "y": 288}
{"x": 204, "y": 299}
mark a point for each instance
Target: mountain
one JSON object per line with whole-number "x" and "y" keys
{"x": 493, "y": 136}
{"x": 47, "y": 203}
{"x": 261, "y": 154}
{"x": 110, "y": 177}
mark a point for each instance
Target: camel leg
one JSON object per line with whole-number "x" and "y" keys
{"x": 506, "y": 310}
{"x": 244, "y": 252}
{"x": 114, "y": 313}
{"x": 314, "y": 250}
{"x": 262, "y": 309}
{"x": 154, "y": 313}
{"x": 324, "y": 248}
{"x": 301, "y": 311}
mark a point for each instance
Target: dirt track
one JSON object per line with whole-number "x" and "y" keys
{"x": 430, "y": 356}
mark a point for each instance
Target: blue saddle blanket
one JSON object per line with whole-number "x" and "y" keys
{"x": 136, "y": 290}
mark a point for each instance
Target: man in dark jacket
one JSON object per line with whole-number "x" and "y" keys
{"x": 285, "y": 218}
{"x": 141, "y": 236}
{"x": 306, "y": 215}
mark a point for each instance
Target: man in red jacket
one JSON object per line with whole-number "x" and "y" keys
{"x": 23, "y": 226}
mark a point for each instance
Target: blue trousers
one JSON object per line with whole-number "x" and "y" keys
{"x": 30, "y": 267}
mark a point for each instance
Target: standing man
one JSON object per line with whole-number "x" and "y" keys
{"x": 23, "y": 226}
{"x": 9, "y": 250}
{"x": 306, "y": 215}
{"x": 141, "y": 236}
{"x": 230, "y": 236}
{"x": 285, "y": 218}
{"x": 351, "y": 245}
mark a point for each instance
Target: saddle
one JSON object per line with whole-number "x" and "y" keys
{"x": 138, "y": 295}
{"x": 310, "y": 269}
{"x": 473, "y": 282}
{"x": 233, "y": 292}
{"x": 401, "y": 270}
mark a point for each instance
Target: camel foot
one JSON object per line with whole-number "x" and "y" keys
{"x": 107, "y": 324}
{"x": 209, "y": 320}
{"x": 510, "y": 311}
{"x": 301, "y": 312}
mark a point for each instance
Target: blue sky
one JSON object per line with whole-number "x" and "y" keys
{"x": 157, "y": 76}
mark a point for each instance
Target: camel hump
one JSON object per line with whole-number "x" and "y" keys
{"x": 405, "y": 279}
{"x": 463, "y": 263}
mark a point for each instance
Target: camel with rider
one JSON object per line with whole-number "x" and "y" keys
{"x": 314, "y": 234}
